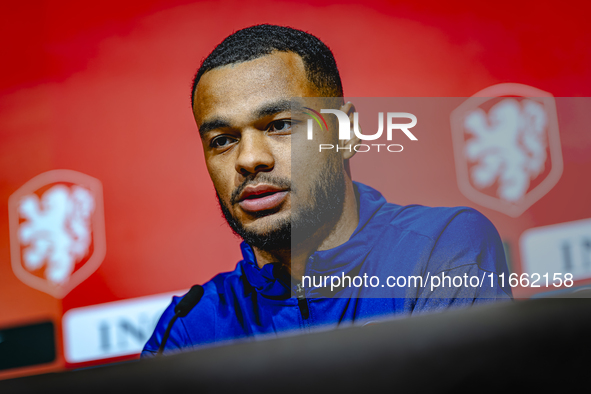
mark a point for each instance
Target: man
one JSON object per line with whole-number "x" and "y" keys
{"x": 302, "y": 218}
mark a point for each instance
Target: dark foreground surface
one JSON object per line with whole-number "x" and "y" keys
{"x": 523, "y": 345}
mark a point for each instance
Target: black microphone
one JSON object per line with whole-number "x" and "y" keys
{"x": 181, "y": 309}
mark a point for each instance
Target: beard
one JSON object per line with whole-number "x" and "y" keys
{"x": 324, "y": 207}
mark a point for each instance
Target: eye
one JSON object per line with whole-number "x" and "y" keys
{"x": 280, "y": 126}
{"x": 221, "y": 141}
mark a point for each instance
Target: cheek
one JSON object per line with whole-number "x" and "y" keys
{"x": 306, "y": 171}
{"x": 283, "y": 157}
{"x": 220, "y": 178}
{"x": 304, "y": 154}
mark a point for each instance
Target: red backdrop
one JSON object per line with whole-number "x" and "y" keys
{"x": 104, "y": 89}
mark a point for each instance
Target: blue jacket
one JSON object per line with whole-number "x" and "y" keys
{"x": 391, "y": 245}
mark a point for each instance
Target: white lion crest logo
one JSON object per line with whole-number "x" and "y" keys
{"x": 509, "y": 146}
{"x": 506, "y": 144}
{"x": 57, "y": 230}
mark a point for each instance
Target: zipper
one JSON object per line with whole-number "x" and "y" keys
{"x": 302, "y": 302}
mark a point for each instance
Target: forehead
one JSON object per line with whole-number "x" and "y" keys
{"x": 237, "y": 89}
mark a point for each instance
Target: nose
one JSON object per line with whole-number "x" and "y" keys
{"x": 254, "y": 154}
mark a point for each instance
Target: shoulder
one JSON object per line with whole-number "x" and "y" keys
{"x": 435, "y": 240}
{"x": 429, "y": 222}
{"x": 463, "y": 243}
{"x": 433, "y": 233}
{"x": 445, "y": 234}
{"x": 464, "y": 239}
{"x": 432, "y": 222}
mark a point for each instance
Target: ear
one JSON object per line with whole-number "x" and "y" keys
{"x": 347, "y": 147}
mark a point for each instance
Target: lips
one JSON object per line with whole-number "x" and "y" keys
{"x": 261, "y": 198}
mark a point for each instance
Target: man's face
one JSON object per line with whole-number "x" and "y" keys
{"x": 244, "y": 116}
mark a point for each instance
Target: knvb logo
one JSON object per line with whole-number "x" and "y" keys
{"x": 344, "y": 123}
{"x": 57, "y": 234}
{"x": 507, "y": 147}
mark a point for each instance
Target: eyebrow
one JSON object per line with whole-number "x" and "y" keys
{"x": 212, "y": 125}
{"x": 261, "y": 112}
{"x": 273, "y": 108}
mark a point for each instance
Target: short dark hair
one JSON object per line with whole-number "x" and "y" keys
{"x": 260, "y": 40}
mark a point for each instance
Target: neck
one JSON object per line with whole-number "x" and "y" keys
{"x": 326, "y": 237}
